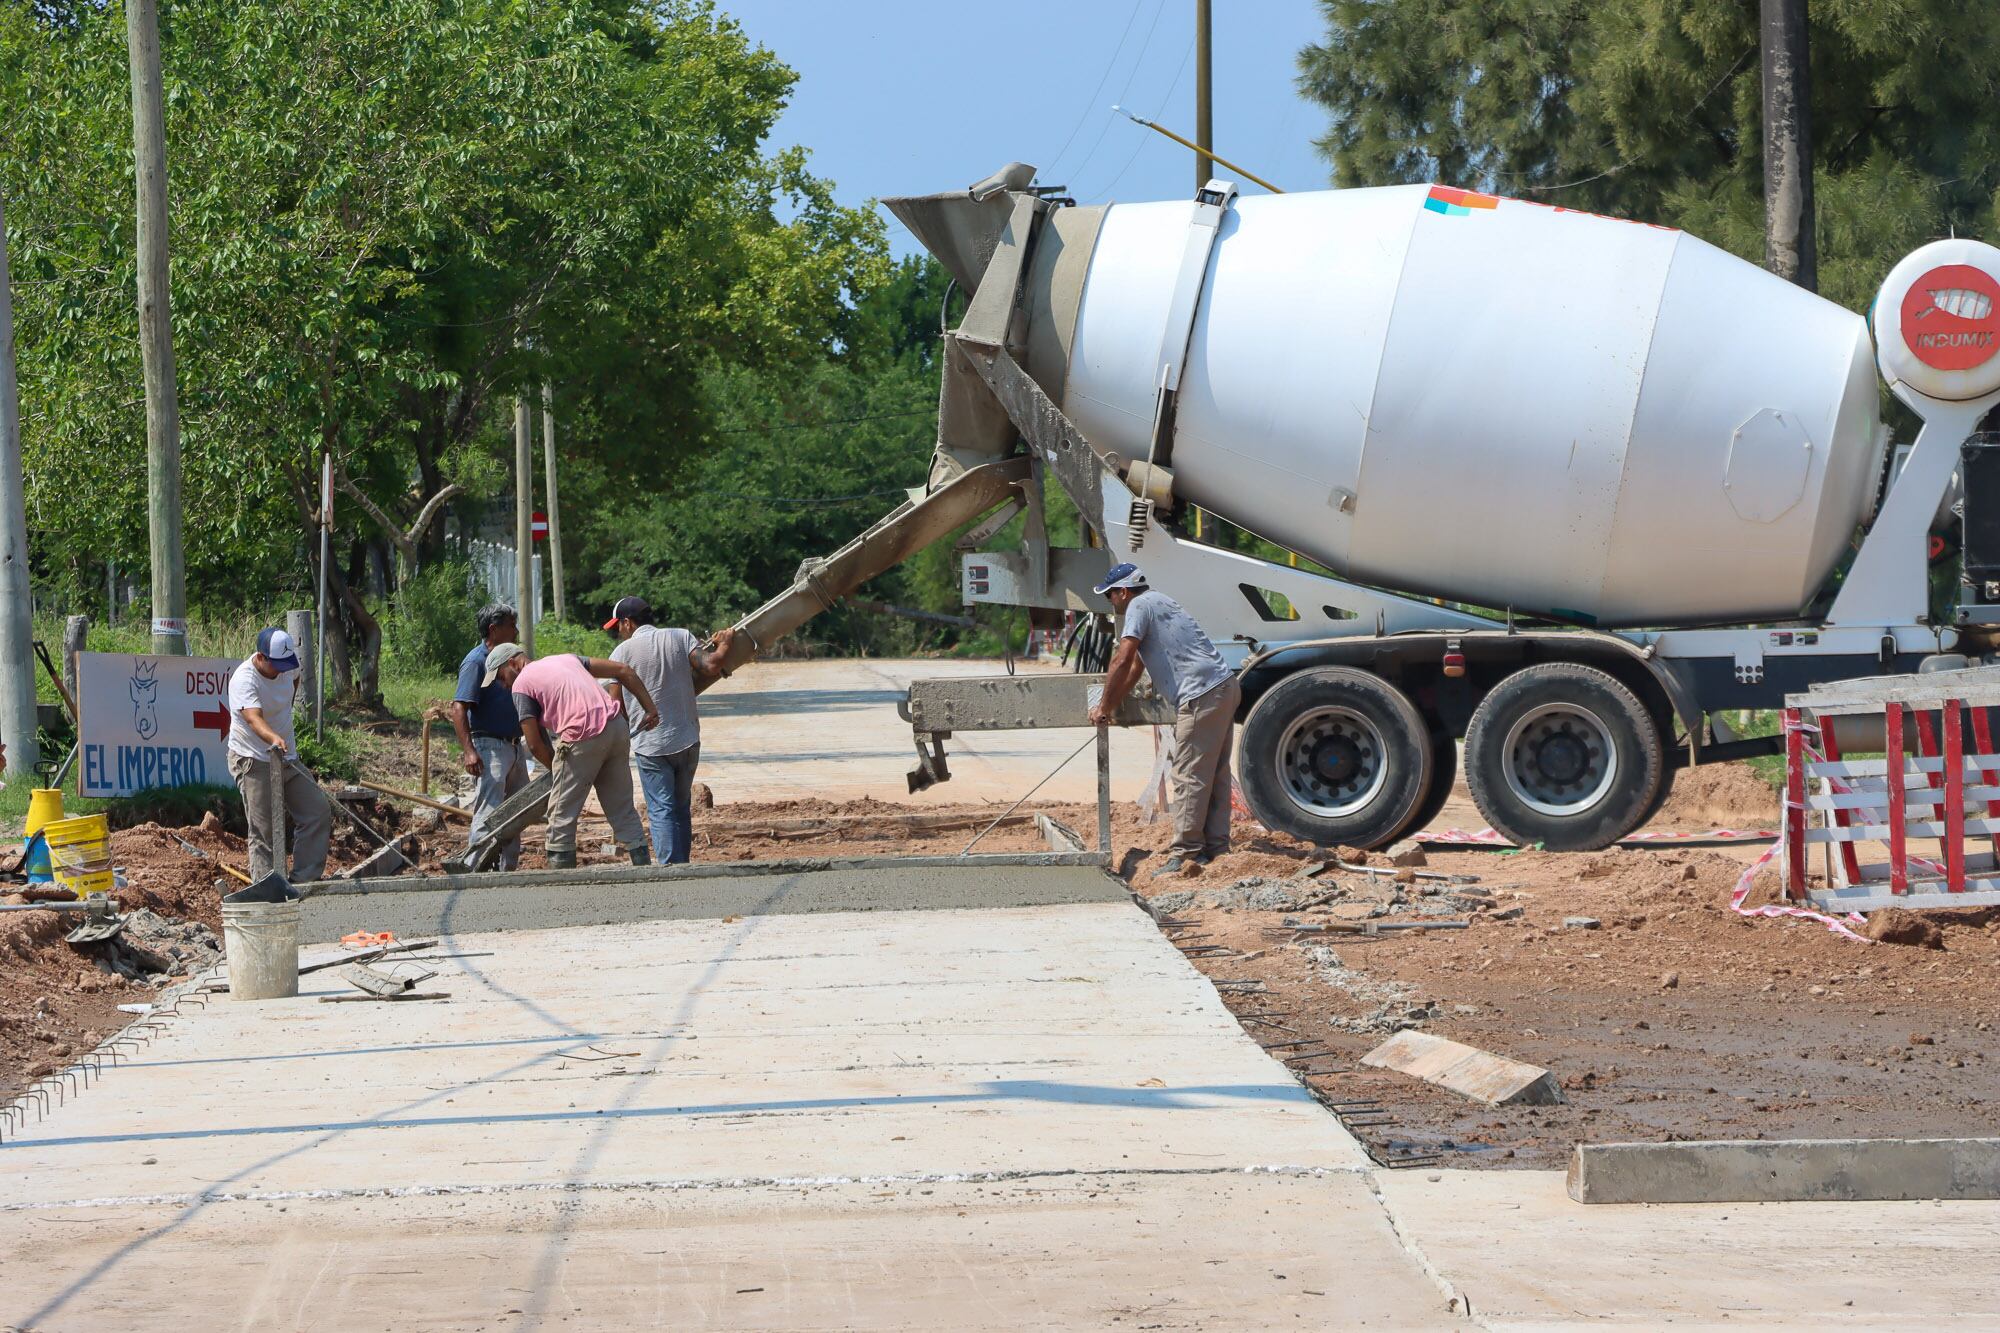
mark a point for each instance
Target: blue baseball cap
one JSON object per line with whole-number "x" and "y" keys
{"x": 1127, "y": 575}
{"x": 277, "y": 645}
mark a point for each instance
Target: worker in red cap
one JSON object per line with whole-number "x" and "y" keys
{"x": 674, "y": 666}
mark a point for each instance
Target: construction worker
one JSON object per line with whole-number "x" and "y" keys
{"x": 672, "y": 664}
{"x": 489, "y": 730}
{"x": 578, "y": 732}
{"x": 1188, "y": 673}
{"x": 261, "y": 691}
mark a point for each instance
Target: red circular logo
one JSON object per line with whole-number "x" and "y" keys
{"x": 1951, "y": 317}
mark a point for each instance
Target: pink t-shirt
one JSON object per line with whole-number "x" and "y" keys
{"x": 561, "y": 694}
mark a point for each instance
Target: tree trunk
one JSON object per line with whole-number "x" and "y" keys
{"x": 1789, "y": 249}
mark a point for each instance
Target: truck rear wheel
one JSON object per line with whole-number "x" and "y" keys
{"x": 1444, "y": 771}
{"x": 1336, "y": 756}
{"x": 1563, "y": 755}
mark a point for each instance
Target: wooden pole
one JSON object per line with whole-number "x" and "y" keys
{"x": 17, "y": 625}
{"x": 76, "y": 633}
{"x": 156, "y": 332}
{"x": 1789, "y": 248}
{"x": 299, "y": 624}
{"x": 1204, "y": 119}
{"x": 555, "y": 510}
{"x": 524, "y": 511}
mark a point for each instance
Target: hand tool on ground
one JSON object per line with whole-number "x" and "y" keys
{"x": 395, "y": 860}
{"x": 210, "y": 856}
{"x": 456, "y": 811}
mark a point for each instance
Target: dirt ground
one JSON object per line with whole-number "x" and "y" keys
{"x": 1670, "y": 1017}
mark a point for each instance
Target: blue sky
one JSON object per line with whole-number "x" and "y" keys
{"x": 914, "y": 96}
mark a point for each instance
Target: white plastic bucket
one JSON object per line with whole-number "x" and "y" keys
{"x": 261, "y": 942}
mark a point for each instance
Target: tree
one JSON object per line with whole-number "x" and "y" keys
{"x": 1651, "y": 109}
{"x": 389, "y": 216}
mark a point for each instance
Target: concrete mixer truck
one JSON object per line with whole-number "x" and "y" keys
{"x": 1566, "y": 488}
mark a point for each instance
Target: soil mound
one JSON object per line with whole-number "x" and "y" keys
{"x": 1718, "y": 796}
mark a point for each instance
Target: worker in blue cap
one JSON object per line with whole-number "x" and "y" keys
{"x": 1188, "y": 673}
{"x": 261, "y": 692}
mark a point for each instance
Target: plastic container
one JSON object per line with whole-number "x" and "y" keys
{"x": 44, "y": 808}
{"x": 80, "y": 853}
{"x": 261, "y": 942}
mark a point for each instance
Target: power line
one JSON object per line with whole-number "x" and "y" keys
{"x": 1133, "y": 73}
{"x": 1097, "y": 92}
{"x": 1141, "y": 146}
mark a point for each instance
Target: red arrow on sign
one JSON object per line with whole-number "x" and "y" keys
{"x": 212, "y": 719}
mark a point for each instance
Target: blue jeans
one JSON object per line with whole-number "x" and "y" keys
{"x": 668, "y": 781}
{"x": 503, "y": 770}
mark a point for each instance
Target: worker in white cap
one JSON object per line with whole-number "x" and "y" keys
{"x": 261, "y": 691}
{"x": 1189, "y": 674}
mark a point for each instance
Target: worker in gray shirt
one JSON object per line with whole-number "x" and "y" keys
{"x": 673, "y": 666}
{"x": 1187, "y": 672}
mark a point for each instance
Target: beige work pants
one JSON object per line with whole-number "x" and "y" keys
{"x": 312, "y": 821}
{"x": 602, "y": 762}
{"x": 1204, "y": 732}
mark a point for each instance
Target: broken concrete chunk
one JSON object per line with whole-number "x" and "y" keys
{"x": 1581, "y": 923}
{"x": 1466, "y": 1070}
{"x": 1407, "y": 853}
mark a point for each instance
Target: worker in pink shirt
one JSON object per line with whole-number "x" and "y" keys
{"x": 579, "y": 733}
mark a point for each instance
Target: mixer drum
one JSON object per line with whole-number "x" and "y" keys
{"x": 1493, "y": 401}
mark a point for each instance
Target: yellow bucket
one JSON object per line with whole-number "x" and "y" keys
{"x": 80, "y": 853}
{"x": 44, "y": 807}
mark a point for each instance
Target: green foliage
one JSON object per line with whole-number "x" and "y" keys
{"x": 433, "y": 624}
{"x": 388, "y": 218}
{"x": 564, "y": 636}
{"x": 1651, "y": 109}
{"x": 335, "y": 757}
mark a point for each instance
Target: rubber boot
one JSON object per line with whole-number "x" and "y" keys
{"x": 562, "y": 860}
{"x": 641, "y": 857}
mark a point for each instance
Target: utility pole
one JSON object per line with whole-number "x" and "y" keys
{"x": 524, "y": 518}
{"x": 156, "y": 332}
{"x": 1204, "y": 119}
{"x": 1789, "y": 249}
{"x": 17, "y": 626}
{"x": 555, "y": 512}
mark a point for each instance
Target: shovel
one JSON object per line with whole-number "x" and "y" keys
{"x": 391, "y": 858}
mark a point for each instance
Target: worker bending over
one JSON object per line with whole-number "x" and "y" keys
{"x": 261, "y": 692}
{"x": 559, "y": 697}
{"x": 673, "y": 666}
{"x": 1191, "y": 675}
{"x": 489, "y": 730}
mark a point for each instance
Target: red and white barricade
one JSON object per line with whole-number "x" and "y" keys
{"x": 1914, "y": 828}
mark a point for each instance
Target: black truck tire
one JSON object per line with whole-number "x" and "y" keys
{"x": 1563, "y": 756}
{"x": 1337, "y": 757}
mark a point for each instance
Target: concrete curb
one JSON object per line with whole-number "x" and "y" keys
{"x": 539, "y": 900}
{"x": 1785, "y": 1171}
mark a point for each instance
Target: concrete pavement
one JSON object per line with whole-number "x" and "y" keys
{"x": 828, "y": 728}
{"x": 982, "y": 1117}
{"x": 988, "y": 1117}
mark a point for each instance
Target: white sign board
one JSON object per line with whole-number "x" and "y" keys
{"x": 151, "y": 722}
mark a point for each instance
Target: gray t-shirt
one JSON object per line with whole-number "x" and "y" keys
{"x": 660, "y": 656}
{"x": 1181, "y": 661}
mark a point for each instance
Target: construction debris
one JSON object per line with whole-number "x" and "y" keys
{"x": 1466, "y": 1070}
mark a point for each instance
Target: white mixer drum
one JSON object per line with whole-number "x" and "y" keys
{"x": 1494, "y": 401}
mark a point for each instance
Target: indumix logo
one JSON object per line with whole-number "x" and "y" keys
{"x": 1951, "y": 317}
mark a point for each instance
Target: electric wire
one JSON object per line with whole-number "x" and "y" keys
{"x": 1144, "y": 47}
{"x": 1140, "y": 147}
{"x": 1098, "y": 91}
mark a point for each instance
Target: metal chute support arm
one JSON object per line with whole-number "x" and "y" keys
{"x": 893, "y": 539}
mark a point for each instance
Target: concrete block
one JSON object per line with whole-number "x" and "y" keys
{"x": 1465, "y": 1070}
{"x": 1408, "y": 852}
{"x": 1785, "y": 1171}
